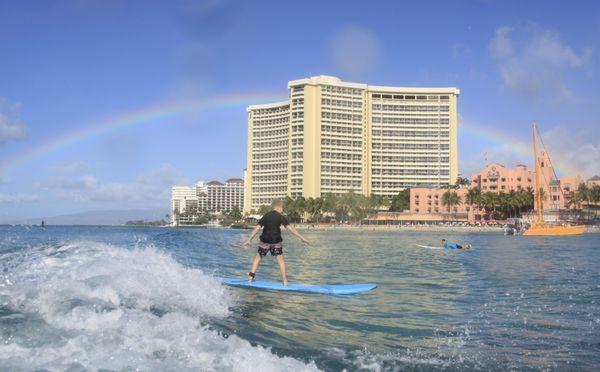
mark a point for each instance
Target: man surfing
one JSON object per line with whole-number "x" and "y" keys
{"x": 270, "y": 239}
{"x": 450, "y": 245}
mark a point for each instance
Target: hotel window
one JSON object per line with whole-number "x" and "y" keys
{"x": 503, "y": 179}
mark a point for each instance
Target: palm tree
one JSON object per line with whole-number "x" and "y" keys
{"x": 461, "y": 181}
{"x": 584, "y": 192}
{"x": 342, "y": 206}
{"x": 401, "y": 201}
{"x": 235, "y": 214}
{"x": 490, "y": 202}
{"x": 263, "y": 209}
{"x": 512, "y": 202}
{"x": 595, "y": 194}
{"x": 473, "y": 197}
{"x": 329, "y": 203}
{"x": 450, "y": 199}
{"x": 314, "y": 207}
{"x": 573, "y": 200}
{"x": 377, "y": 201}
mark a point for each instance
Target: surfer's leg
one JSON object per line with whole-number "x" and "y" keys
{"x": 281, "y": 264}
{"x": 255, "y": 264}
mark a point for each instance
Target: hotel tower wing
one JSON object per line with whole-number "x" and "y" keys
{"x": 334, "y": 137}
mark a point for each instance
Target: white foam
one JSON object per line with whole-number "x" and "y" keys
{"x": 91, "y": 305}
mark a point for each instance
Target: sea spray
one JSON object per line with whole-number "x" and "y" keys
{"x": 90, "y": 305}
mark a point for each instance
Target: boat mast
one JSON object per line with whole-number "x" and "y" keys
{"x": 538, "y": 197}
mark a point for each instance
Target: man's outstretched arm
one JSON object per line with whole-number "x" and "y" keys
{"x": 252, "y": 235}
{"x": 293, "y": 230}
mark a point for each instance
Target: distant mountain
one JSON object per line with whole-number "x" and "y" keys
{"x": 114, "y": 217}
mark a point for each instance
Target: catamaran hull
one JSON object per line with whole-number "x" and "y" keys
{"x": 554, "y": 231}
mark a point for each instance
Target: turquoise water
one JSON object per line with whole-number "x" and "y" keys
{"x": 89, "y": 298}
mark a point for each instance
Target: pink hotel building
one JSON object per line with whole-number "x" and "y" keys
{"x": 496, "y": 178}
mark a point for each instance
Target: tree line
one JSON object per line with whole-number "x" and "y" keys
{"x": 515, "y": 203}
{"x": 350, "y": 206}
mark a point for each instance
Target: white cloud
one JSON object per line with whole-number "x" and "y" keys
{"x": 355, "y": 50}
{"x": 572, "y": 153}
{"x": 18, "y": 198}
{"x": 10, "y": 126}
{"x": 578, "y": 151}
{"x": 152, "y": 189}
{"x": 536, "y": 62}
{"x": 501, "y": 46}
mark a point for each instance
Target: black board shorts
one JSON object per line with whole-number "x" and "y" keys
{"x": 275, "y": 249}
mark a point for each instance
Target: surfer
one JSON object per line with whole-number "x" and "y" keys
{"x": 270, "y": 239}
{"x": 450, "y": 245}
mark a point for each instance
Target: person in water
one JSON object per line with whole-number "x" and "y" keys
{"x": 450, "y": 245}
{"x": 270, "y": 239}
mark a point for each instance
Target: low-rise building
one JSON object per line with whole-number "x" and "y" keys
{"x": 497, "y": 178}
{"x": 429, "y": 200}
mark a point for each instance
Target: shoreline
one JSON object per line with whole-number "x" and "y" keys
{"x": 417, "y": 228}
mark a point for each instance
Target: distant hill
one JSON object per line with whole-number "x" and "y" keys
{"x": 114, "y": 217}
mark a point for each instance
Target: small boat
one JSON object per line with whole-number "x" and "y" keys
{"x": 540, "y": 227}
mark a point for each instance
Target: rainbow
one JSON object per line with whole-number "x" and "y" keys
{"x": 161, "y": 112}
{"x": 143, "y": 116}
{"x": 523, "y": 148}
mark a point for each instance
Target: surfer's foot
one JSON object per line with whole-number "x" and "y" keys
{"x": 285, "y": 282}
{"x": 251, "y": 276}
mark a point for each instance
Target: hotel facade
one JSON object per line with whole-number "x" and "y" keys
{"x": 213, "y": 197}
{"x": 334, "y": 137}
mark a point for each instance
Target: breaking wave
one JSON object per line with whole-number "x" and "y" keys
{"x": 90, "y": 305}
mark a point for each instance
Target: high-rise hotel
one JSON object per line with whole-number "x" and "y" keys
{"x": 333, "y": 137}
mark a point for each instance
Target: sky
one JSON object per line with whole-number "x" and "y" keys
{"x": 107, "y": 104}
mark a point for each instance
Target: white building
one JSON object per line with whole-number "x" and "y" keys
{"x": 183, "y": 198}
{"x": 213, "y": 197}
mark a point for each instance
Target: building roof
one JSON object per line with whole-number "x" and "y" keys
{"x": 263, "y": 106}
{"x": 235, "y": 180}
{"x": 595, "y": 178}
{"x": 214, "y": 183}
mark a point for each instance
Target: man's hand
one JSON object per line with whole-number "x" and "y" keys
{"x": 305, "y": 241}
{"x": 246, "y": 245}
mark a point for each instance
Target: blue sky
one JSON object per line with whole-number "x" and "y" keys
{"x": 68, "y": 64}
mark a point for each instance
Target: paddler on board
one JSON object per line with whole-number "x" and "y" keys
{"x": 451, "y": 245}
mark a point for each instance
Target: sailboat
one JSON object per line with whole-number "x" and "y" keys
{"x": 540, "y": 227}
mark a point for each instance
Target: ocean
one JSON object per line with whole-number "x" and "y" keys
{"x": 150, "y": 299}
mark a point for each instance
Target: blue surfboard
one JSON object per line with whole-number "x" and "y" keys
{"x": 334, "y": 289}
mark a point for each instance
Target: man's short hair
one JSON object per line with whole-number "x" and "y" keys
{"x": 276, "y": 203}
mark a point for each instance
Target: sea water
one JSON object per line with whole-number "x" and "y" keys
{"x": 149, "y": 299}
